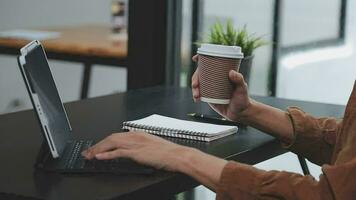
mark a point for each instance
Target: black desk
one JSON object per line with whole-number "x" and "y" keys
{"x": 98, "y": 117}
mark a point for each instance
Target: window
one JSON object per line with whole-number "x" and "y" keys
{"x": 308, "y": 24}
{"x": 288, "y": 25}
{"x": 260, "y": 22}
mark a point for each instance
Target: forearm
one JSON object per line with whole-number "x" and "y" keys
{"x": 204, "y": 168}
{"x": 268, "y": 119}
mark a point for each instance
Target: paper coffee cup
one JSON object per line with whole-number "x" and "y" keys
{"x": 215, "y": 63}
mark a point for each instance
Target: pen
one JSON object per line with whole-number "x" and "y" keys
{"x": 211, "y": 119}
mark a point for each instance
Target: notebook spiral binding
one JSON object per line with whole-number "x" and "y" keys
{"x": 167, "y": 132}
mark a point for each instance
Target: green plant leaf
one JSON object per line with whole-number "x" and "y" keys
{"x": 229, "y": 35}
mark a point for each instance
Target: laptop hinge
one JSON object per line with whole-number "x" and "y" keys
{"x": 42, "y": 155}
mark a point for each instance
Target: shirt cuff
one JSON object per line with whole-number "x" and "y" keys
{"x": 297, "y": 117}
{"x": 307, "y": 132}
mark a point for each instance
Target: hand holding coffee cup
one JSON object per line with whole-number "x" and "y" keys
{"x": 215, "y": 62}
{"x": 238, "y": 98}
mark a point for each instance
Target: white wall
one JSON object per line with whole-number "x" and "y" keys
{"x": 39, "y": 13}
{"x": 49, "y": 13}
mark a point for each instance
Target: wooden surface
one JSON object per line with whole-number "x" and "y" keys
{"x": 98, "y": 117}
{"x": 85, "y": 40}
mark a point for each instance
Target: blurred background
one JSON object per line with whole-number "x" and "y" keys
{"x": 310, "y": 53}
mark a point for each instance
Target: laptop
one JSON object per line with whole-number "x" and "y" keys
{"x": 61, "y": 153}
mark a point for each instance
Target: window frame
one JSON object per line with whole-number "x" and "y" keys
{"x": 323, "y": 42}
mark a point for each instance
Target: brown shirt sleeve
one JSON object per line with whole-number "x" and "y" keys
{"x": 315, "y": 138}
{"x": 244, "y": 182}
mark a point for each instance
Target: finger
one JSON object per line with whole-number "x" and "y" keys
{"x": 105, "y": 145}
{"x": 241, "y": 88}
{"x": 195, "y": 58}
{"x": 196, "y": 95}
{"x": 122, "y": 153}
{"x": 237, "y": 78}
{"x": 195, "y": 85}
{"x": 195, "y": 79}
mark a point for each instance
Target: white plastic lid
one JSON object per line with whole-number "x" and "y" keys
{"x": 220, "y": 51}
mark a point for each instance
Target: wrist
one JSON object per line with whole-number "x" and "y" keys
{"x": 183, "y": 157}
{"x": 192, "y": 160}
{"x": 248, "y": 112}
{"x": 205, "y": 168}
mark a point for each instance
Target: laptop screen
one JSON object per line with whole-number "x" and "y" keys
{"x": 52, "y": 113}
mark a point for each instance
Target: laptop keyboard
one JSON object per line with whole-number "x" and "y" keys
{"x": 77, "y": 163}
{"x": 74, "y": 156}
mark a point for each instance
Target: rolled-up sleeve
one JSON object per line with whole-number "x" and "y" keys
{"x": 244, "y": 182}
{"x": 314, "y": 138}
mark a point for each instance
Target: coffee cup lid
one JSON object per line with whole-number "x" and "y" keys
{"x": 220, "y": 51}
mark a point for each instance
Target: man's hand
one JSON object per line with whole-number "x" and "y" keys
{"x": 240, "y": 100}
{"x": 141, "y": 147}
{"x": 159, "y": 153}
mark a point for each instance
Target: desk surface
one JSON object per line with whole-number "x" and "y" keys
{"x": 98, "y": 117}
{"x": 85, "y": 40}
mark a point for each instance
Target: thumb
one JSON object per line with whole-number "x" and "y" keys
{"x": 195, "y": 58}
{"x": 236, "y": 78}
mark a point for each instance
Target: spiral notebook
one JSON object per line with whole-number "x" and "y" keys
{"x": 172, "y": 127}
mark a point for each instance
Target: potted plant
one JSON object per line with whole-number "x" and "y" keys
{"x": 230, "y": 36}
